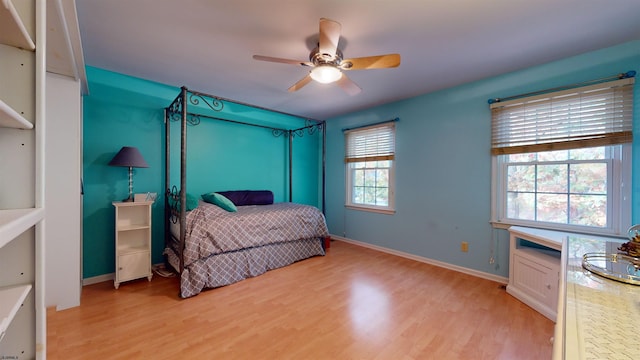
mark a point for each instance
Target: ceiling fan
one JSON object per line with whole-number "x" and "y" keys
{"x": 327, "y": 62}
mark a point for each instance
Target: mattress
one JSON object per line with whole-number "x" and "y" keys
{"x": 211, "y": 230}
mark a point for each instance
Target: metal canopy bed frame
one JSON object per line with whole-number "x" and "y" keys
{"x": 190, "y": 108}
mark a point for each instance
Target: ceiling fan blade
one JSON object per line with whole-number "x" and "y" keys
{"x": 297, "y": 86}
{"x": 280, "y": 60}
{"x": 329, "y": 37}
{"x": 348, "y": 85}
{"x": 371, "y": 62}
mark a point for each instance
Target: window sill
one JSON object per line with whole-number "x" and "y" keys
{"x": 545, "y": 226}
{"x": 371, "y": 209}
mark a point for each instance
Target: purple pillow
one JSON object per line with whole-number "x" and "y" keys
{"x": 248, "y": 197}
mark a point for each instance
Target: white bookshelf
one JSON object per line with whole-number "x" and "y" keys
{"x": 22, "y": 105}
{"x": 133, "y": 241}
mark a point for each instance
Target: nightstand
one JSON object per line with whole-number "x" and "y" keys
{"x": 133, "y": 241}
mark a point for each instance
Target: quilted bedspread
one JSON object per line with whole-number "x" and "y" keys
{"x": 211, "y": 230}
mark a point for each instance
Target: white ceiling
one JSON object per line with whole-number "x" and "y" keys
{"x": 208, "y": 45}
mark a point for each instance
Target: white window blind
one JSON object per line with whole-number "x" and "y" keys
{"x": 594, "y": 115}
{"x": 374, "y": 143}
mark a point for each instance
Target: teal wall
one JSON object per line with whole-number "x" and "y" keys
{"x": 443, "y": 167}
{"x": 125, "y": 111}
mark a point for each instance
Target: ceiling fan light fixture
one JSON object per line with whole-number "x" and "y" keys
{"x": 326, "y": 74}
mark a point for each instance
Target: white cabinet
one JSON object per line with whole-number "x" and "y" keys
{"x": 534, "y": 268}
{"x": 133, "y": 241}
{"x": 535, "y": 276}
{"x": 22, "y": 123}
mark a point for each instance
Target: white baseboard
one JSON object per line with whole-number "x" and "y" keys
{"x": 98, "y": 279}
{"x": 476, "y": 273}
{"x": 106, "y": 277}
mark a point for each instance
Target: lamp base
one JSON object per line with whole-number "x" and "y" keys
{"x": 130, "y": 198}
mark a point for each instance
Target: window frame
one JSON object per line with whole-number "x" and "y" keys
{"x": 389, "y": 209}
{"x": 351, "y": 164}
{"x": 619, "y": 190}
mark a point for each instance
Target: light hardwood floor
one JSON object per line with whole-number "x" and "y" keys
{"x": 354, "y": 303}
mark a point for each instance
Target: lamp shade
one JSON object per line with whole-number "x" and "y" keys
{"x": 129, "y": 156}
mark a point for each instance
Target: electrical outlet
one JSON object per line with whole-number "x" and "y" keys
{"x": 464, "y": 246}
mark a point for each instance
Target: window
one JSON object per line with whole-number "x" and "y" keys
{"x": 563, "y": 160}
{"x": 369, "y": 161}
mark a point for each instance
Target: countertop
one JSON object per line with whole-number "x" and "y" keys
{"x": 598, "y": 318}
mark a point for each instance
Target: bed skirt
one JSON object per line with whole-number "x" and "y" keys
{"x": 228, "y": 268}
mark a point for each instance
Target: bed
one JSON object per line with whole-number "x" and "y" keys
{"x": 223, "y": 237}
{"x": 223, "y": 247}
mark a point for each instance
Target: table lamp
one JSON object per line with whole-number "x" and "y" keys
{"x": 130, "y": 157}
